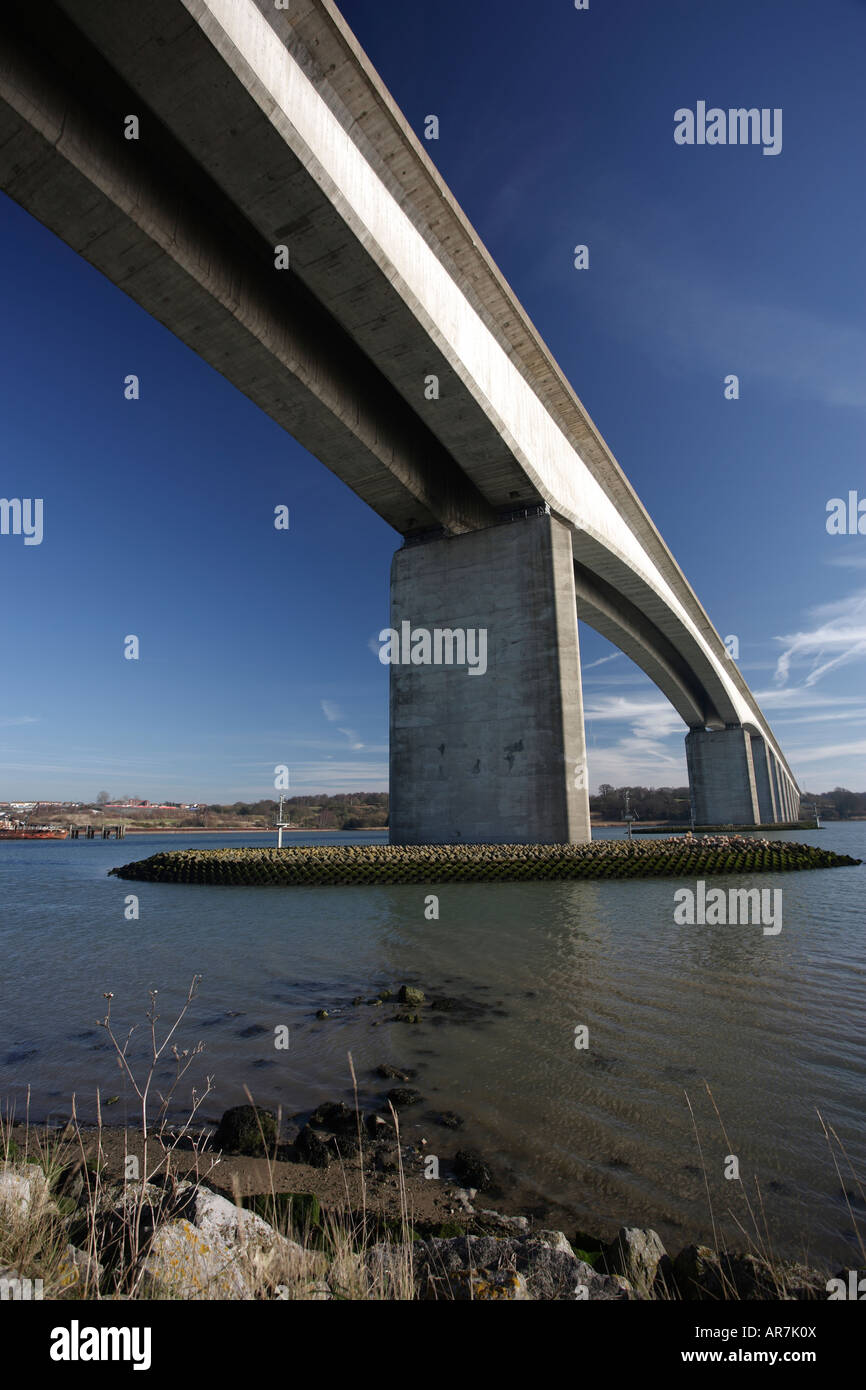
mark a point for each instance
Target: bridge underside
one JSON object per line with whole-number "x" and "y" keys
{"x": 337, "y": 349}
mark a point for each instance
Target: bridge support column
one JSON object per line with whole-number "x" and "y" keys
{"x": 776, "y": 784}
{"x": 768, "y": 808}
{"x": 786, "y": 798}
{"x": 787, "y": 811}
{"x": 494, "y": 754}
{"x": 722, "y": 777}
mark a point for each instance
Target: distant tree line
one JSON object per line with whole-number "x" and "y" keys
{"x": 839, "y": 804}
{"x": 672, "y": 803}
{"x": 343, "y": 811}
{"x": 645, "y": 803}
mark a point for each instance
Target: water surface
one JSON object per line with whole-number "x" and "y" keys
{"x": 774, "y": 1025}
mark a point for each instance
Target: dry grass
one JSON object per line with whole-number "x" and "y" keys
{"x": 111, "y": 1222}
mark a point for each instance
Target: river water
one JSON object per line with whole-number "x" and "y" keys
{"x": 769, "y": 1030}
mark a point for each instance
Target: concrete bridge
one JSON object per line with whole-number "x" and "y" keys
{"x": 393, "y": 349}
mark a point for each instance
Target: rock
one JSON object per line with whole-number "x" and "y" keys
{"x": 218, "y": 1219}
{"x": 24, "y": 1193}
{"x": 311, "y": 1148}
{"x": 802, "y": 1282}
{"x": 754, "y": 1278}
{"x": 335, "y": 1116}
{"x": 318, "y": 1290}
{"x": 385, "y": 1158}
{"x": 409, "y": 995}
{"x": 215, "y": 1215}
{"x": 389, "y": 1073}
{"x": 388, "y": 1273}
{"x": 516, "y": 1225}
{"x": 523, "y": 1266}
{"x": 639, "y": 1256}
{"x": 556, "y": 1240}
{"x": 376, "y": 1127}
{"x": 463, "y": 1198}
{"x": 322, "y": 1013}
{"x": 487, "y": 1285}
{"x": 700, "y": 1273}
{"x": 343, "y": 1145}
{"x": 79, "y": 1271}
{"x": 247, "y": 1130}
{"x": 449, "y": 1120}
{"x": 404, "y": 1017}
{"x": 471, "y": 1170}
{"x": 401, "y": 1097}
{"x": 594, "y": 1287}
{"x": 129, "y": 1215}
{"x": 217, "y": 1250}
{"x": 697, "y": 1273}
{"x": 359, "y": 999}
{"x": 185, "y": 1264}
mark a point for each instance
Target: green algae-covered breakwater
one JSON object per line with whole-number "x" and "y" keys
{"x": 676, "y": 857}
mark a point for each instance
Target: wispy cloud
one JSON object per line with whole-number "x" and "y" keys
{"x": 332, "y": 712}
{"x": 602, "y": 660}
{"x": 637, "y": 762}
{"x": 647, "y": 754}
{"x": 837, "y": 637}
{"x": 803, "y": 697}
{"x": 649, "y": 718}
{"x": 828, "y": 751}
{"x": 330, "y": 775}
{"x": 848, "y": 559}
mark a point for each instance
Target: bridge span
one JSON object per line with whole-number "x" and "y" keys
{"x": 269, "y": 204}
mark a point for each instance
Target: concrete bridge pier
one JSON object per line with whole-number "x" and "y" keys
{"x": 768, "y": 807}
{"x": 487, "y": 736}
{"x": 722, "y": 777}
{"x": 776, "y": 784}
{"x": 735, "y": 778}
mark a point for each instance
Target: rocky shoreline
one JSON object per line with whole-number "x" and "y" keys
{"x": 334, "y": 1202}
{"x": 342, "y": 1210}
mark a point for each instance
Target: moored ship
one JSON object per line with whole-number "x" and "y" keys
{"x": 20, "y": 830}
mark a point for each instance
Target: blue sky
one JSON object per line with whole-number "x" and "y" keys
{"x": 257, "y": 646}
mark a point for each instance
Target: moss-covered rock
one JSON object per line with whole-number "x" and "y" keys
{"x": 247, "y": 1130}
{"x": 409, "y": 995}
